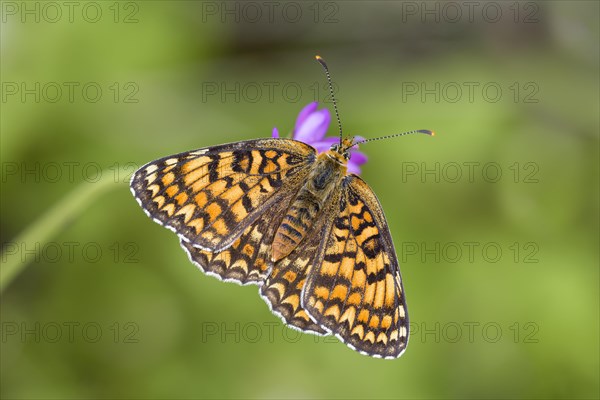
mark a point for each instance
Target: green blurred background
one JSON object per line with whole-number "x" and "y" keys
{"x": 501, "y": 271}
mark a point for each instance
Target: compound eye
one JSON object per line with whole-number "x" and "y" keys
{"x": 334, "y": 147}
{"x": 347, "y": 156}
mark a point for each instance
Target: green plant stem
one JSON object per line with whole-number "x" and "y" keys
{"x": 50, "y": 224}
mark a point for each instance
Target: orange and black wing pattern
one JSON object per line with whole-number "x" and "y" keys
{"x": 282, "y": 290}
{"x": 354, "y": 289}
{"x": 211, "y": 196}
{"x": 247, "y": 260}
{"x": 284, "y": 286}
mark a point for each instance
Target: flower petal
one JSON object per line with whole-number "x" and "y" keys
{"x": 358, "y": 158}
{"x": 311, "y": 127}
{"x": 325, "y": 144}
{"x": 353, "y": 169}
{"x": 305, "y": 112}
{"x": 314, "y": 127}
{"x": 330, "y": 140}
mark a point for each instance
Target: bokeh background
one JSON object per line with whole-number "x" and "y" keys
{"x": 495, "y": 219}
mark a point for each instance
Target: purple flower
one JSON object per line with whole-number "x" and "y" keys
{"x": 311, "y": 126}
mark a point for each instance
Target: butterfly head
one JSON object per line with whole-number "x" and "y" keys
{"x": 341, "y": 152}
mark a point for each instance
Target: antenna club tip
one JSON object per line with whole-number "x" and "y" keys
{"x": 432, "y": 133}
{"x": 321, "y": 61}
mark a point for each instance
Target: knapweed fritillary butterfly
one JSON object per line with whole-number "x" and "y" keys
{"x": 276, "y": 213}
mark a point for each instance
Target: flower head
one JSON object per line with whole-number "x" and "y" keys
{"x": 311, "y": 126}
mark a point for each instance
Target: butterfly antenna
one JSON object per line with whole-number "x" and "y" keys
{"x": 424, "y": 131}
{"x": 337, "y": 114}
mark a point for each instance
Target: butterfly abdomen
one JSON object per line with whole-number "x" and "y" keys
{"x": 307, "y": 205}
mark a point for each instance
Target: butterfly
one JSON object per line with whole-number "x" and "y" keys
{"x": 276, "y": 213}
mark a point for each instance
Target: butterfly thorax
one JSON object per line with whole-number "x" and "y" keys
{"x": 324, "y": 177}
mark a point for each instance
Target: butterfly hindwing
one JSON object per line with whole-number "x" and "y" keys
{"x": 210, "y": 196}
{"x": 244, "y": 262}
{"x": 283, "y": 288}
{"x": 355, "y": 289}
{"x": 247, "y": 260}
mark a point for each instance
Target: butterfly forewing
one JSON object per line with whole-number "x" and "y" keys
{"x": 210, "y": 196}
{"x": 355, "y": 289}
